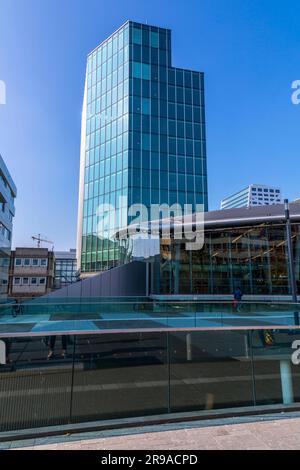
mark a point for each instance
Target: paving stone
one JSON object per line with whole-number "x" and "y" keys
{"x": 263, "y": 434}
{"x": 46, "y": 447}
{"x": 28, "y": 448}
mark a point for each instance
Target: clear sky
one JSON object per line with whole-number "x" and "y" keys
{"x": 248, "y": 49}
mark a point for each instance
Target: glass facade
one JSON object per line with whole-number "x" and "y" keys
{"x": 254, "y": 258}
{"x": 8, "y": 193}
{"x": 65, "y": 269}
{"x": 143, "y": 137}
{"x": 253, "y": 195}
{"x": 240, "y": 199}
{"x": 110, "y": 376}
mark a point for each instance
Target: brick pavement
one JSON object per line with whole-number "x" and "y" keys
{"x": 265, "y": 434}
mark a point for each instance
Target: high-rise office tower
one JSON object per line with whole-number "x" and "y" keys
{"x": 143, "y": 137}
{"x": 253, "y": 195}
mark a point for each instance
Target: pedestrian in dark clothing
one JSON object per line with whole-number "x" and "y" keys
{"x": 237, "y": 299}
{"x": 52, "y": 345}
{"x": 16, "y": 308}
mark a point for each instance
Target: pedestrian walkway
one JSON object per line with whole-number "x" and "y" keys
{"x": 253, "y": 433}
{"x": 43, "y": 322}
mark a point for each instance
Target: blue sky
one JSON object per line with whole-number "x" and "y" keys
{"x": 248, "y": 49}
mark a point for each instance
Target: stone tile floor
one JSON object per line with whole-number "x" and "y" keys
{"x": 266, "y": 433}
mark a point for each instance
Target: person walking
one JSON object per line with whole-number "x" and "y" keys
{"x": 16, "y": 308}
{"x": 237, "y": 299}
{"x": 52, "y": 345}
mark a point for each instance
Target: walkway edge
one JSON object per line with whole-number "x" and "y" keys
{"x": 269, "y": 412}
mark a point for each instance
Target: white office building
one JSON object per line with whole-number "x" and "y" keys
{"x": 254, "y": 195}
{"x": 8, "y": 192}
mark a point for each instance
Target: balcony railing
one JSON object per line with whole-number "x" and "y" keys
{"x": 77, "y": 362}
{"x": 137, "y": 314}
{"x": 55, "y": 379}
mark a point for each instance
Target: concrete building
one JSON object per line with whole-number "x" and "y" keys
{"x": 31, "y": 272}
{"x": 143, "y": 137}
{"x": 8, "y": 193}
{"x": 253, "y": 195}
{"x": 65, "y": 268}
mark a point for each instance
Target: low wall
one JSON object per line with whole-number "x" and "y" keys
{"x": 124, "y": 281}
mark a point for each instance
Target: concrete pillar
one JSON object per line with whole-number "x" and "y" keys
{"x": 2, "y": 352}
{"x": 286, "y": 382}
{"x": 189, "y": 353}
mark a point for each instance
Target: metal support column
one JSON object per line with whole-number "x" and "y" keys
{"x": 292, "y": 276}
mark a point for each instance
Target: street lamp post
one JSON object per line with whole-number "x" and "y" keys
{"x": 292, "y": 276}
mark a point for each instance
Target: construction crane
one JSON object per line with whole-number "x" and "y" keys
{"x": 38, "y": 239}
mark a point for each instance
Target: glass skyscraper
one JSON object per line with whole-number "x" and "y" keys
{"x": 143, "y": 137}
